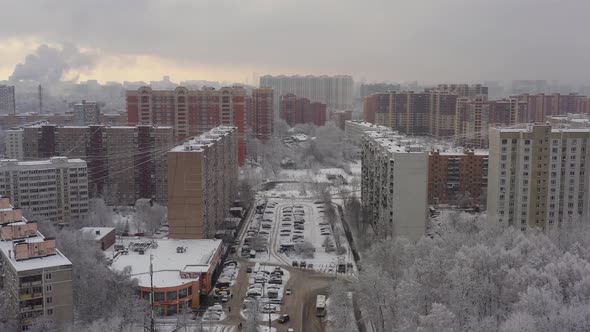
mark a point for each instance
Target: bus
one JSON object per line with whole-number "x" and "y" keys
{"x": 320, "y": 306}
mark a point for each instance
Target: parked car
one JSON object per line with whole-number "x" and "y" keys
{"x": 284, "y": 318}
{"x": 276, "y": 281}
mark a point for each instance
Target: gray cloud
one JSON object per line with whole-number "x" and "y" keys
{"x": 379, "y": 39}
{"x": 49, "y": 64}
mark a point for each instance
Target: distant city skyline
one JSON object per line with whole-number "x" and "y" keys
{"x": 376, "y": 40}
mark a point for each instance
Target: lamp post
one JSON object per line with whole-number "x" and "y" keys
{"x": 152, "y": 323}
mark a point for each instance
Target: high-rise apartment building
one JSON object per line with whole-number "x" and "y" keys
{"x": 7, "y": 100}
{"x": 86, "y": 113}
{"x": 542, "y": 105}
{"x": 394, "y": 184}
{"x": 475, "y": 116}
{"x": 124, "y": 163}
{"x": 295, "y": 110}
{"x": 462, "y": 90}
{"x": 443, "y": 106}
{"x": 56, "y": 189}
{"x": 458, "y": 178}
{"x": 14, "y": 143}
{"x": 537, "y": 176}
{"x": 406, "y": 112}
{"x": 36, "y": 275}
{"x": 261, "y": 113}
{"x": 192, "y": 112}
{"x": 202, "y": 183}
{"x": 334, "y": 91}
{"x": 369, "y": 89}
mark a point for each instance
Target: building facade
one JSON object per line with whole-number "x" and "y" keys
{"x": 56, "y": 189}
{"x": 462, "y": 90}
{"x": 295, "y": 110}
{"x": 340, "y": 117}
{"x": 193, "y": 112}
{"x": 334, "y": 91}
{"x": 542, "y": 105}
{"x": 14, "y": 144}
{"x": 124, "y": 163}
{"x": 394, "y": 185}
{"x": 7, "y": 100}
{"x": 86, "y": 113}
{"x": 36, "y": 275}
{"x": 475, "y": 116}
{"x": 261, "y": 113}
{"x": 202, "y": 182}
{"x": 537, "y": 176}
{"x": 407, "y": 112}
{"x": 458, "y": 178}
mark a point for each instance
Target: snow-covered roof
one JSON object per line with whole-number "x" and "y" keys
{"x": 35, "y": 263}
{"x": 96, "y": 233}
{"x": 48, "y": 163}
{"x": 199, "y": 143}
{"x": 167, "y": 263}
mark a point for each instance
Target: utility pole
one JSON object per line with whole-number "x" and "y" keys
{"x": 152, "y": 324}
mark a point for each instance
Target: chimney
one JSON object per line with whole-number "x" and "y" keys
{"x": 98, "y": 232}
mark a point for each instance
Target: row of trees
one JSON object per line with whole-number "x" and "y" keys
{"x": 473, "y": 275}
{"x": 326, "y": 147}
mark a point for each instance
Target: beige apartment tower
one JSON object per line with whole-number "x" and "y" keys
{"x": 35, "y": 274}
{"x": 537, "y": 176}
{"x": 202, "y": 183}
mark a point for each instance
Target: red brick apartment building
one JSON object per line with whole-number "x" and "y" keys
{"x": 193, "y": 112}
{"x": 457, "y": 178}
{"x": 296, "y": 110}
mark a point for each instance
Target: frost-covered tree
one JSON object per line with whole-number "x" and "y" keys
{"x": 99, "y": 214}
{"x": 149, "y": 215}
{"x": 99, "y": 293}
{"x": 473, "y": 275}
{"x": 8, "y": 313}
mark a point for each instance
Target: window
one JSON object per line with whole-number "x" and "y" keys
{"x": 171, "y": 295}
{"x": 47, "y": 276}
{"x": 158, "y": 296}
{"x": 48, "y": 288}
{"x": 49, "y": 299}
{"x": 49, "y": 312}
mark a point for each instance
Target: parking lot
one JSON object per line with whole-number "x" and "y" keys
{"x": 295, "y": 232}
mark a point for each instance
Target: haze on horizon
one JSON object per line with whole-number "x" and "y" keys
{"x": 373, "y": 40}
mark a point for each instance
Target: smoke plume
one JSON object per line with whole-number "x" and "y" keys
{"x": 49, "y": 64}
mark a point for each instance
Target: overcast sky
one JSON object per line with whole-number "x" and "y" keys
{"x": 375, "y": 40}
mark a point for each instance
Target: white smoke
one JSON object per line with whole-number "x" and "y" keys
{"x": 50, "y": 64}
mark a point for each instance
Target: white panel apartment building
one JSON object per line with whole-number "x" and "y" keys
{"x": 355, "y": 129}
{"x": 14, "y": 144}
{"x": 56, "y": 189}
{"x": 537, "y": 176}
{"x": 395, "y": 184}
